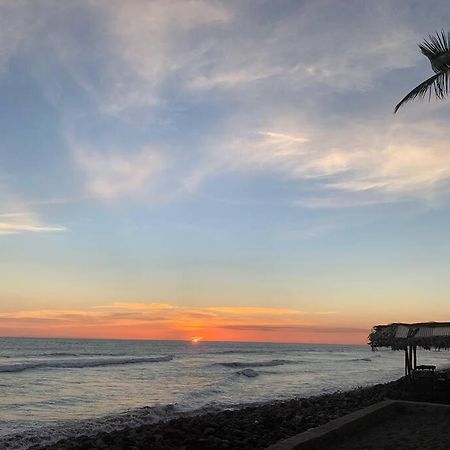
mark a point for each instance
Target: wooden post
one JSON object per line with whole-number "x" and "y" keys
{"x": 406, "y": 361}
{"x": 415, "y": 357}
{"x": 409, "y": 359}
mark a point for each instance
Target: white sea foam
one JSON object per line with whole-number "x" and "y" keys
{"x": 35, "y": 435}
{"x": 79, "y": 363}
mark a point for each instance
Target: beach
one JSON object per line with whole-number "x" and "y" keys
{"x": 255, "y": 427}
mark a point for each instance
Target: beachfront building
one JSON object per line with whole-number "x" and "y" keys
{"x": 407, "y": 337}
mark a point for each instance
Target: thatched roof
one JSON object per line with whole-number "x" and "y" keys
{"x": 399, "y": 335}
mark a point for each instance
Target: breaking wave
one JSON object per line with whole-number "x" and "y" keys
{"x": 68, "y": 354}
{"x": 79, "y": 363}
{"x": 272, "y": 363}
{"x": 41, "y": 436}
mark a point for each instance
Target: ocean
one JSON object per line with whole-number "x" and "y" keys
{"x": 54, "y": 388}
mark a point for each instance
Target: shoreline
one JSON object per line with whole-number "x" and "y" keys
{"x": 256, "y": 426}
{"x": 48, "y": 434}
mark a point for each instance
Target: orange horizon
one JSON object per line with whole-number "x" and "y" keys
{"x": 93, "y": 338}
{"x": 159, "y": 321}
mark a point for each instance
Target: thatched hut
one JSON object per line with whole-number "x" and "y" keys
{"x": 409, "y": 336}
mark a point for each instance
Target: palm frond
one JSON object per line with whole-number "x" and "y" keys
{"x": 438, "y": 83}
{"x": 436, "y": 45}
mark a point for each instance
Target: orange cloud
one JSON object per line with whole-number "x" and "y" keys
{"x": 165, "y": 321}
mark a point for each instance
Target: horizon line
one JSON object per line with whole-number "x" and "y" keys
{"x": 176, "y": 340}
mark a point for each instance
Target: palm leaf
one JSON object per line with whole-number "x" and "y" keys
{"x": 436, "y": 45}
{"x": 439, "y": 83}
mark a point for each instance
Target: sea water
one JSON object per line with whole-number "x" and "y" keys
{"x": 54, "y": 388}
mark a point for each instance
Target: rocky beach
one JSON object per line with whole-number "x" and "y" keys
{"x": 253, "y": 427}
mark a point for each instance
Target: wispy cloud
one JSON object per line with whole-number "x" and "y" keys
{"x": 18, "y": 216}
{"x": 296, "y": 328}
{"x": 294, "y": 69}
{"x": 207, "y": 47}
{"x": 294, "y": 74}
{"x": 255, "y": 311}
{"x": 356, "y": 165}
{"x": 15, "y": 228}
{"x": 116, "y": 174}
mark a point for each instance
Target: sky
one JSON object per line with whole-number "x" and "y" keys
{"x": 230, "y": 170}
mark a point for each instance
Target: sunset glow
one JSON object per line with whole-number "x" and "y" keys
{"x": 213, "y": 170}
{"x": 164, "y": 321}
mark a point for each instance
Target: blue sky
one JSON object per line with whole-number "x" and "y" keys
{"x": 206, "y": 153}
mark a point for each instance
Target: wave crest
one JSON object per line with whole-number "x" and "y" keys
{"x": 79, "y": 363}
{"x": 272, "y": 363}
